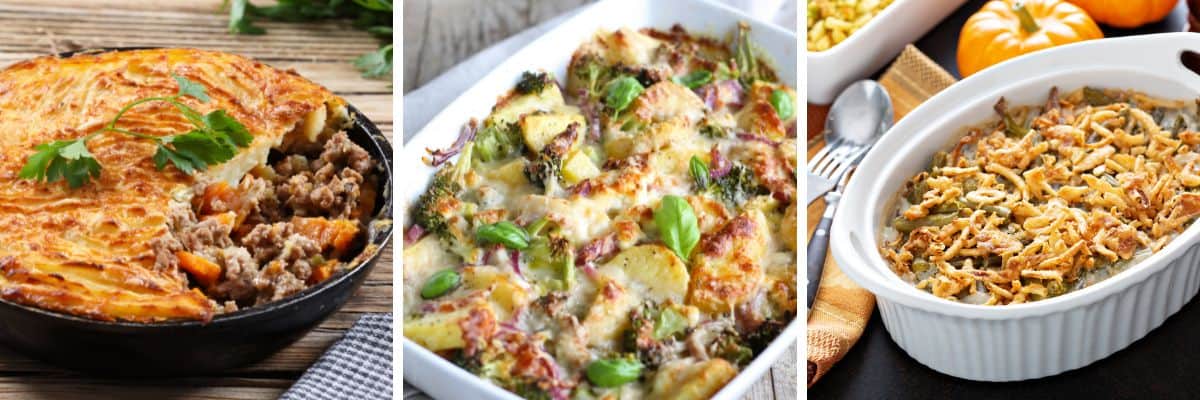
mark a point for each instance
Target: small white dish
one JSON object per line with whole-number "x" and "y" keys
{"x": 868, "y": 49}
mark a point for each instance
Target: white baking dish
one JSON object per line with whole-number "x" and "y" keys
{"x": 1042, "y": 338}
{"x": 552, "y": 52}
{"x": 868, "y": 49}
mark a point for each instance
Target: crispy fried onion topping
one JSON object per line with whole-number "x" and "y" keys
{"x": 1068, "y": 194}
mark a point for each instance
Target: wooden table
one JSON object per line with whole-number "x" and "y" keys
{"x": 1160, "y": 365}
{"x": 319, "y": 51}
{"x": 438, "y": 34}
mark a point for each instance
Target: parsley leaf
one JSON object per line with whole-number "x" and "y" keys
{"x": 189, "y": 88}
{"x": 228, "y": 129}
{"x": 374, "y": 16}
{"x": 69, "y": 159}
{"x": 375, "y": 64}
{"x": 215, "y": 140}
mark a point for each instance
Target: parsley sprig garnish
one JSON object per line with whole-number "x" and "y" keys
{"x": 374, "y": 16}
{"x": 214, "y": 140}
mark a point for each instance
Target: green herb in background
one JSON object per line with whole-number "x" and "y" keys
{"x": 214, "y": 140}
{"x": 373, "y": 16}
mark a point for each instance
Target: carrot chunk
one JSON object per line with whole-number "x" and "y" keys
{"x": 337, "y": 234}
{"x": 204, "y": 271}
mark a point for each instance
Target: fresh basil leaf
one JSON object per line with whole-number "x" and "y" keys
{"x": 694, "y": 79}
{"x": 782, "y": 103}
{"x": 506, "y": 233}
{"x": 189, "y": 88}
{"x": 699, "y": 172}
{"x": 621, "y": 92}
{"x": 677, "y": 226}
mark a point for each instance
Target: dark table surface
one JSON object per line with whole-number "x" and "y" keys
{"x": 1163, "y": 365}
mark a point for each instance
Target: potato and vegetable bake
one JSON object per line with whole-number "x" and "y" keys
{"x": 1049, "y": 199}
{"x": 630, "y": 234}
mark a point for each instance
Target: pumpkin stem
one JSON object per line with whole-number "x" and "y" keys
{"x": 1026, "y": 18}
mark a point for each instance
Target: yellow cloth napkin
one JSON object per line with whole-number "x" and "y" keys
{"x": 842, "y": 308}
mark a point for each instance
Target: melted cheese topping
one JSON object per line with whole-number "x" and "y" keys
{"x": 87, "y": 251}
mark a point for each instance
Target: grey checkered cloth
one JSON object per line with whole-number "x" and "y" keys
{"x": 359, "y": 366}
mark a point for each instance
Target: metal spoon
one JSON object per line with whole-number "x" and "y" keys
{"x": 859, "y": 116}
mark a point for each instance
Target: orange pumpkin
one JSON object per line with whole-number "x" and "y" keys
{"x": 1126, "y": 13}
{"x": 1004, "y": 29}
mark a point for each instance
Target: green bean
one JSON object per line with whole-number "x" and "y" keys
{"x": 613, "y": 372}
{"x": 939, "y": 159}
{"x": 917, "y": 191}
{"x": 1055, "y": 288}
{"x": 1014, "y": 130}
{"x": 951, "y": 206}
{"x": 998, "y": 210}
{"x": 905, "y": 225}
{"x": 920, "y": 266}
{"x": 970, "y": 185}
{"x": 503, "y": 232}
{"x": 1096, "y": 97}
{"x": 440, "y": 283}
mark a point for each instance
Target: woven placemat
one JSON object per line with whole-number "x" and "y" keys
{"x": 842, "y": 308}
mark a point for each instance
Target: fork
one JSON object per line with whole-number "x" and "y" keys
{"x": 831, "y": 164}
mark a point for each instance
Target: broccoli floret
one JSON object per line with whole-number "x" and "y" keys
{"x": 589, "y": 74}
{"x": 640, "y": 338}
{"x": 497, "y": 142}
{"x": 759, "y": 338}
{"x": 730, "y": 346}
{"x": 439, "y": 202}
{"x": 530, "y": 391}
{"x": 713, "y": 131}
{"x": 546, "y": 166}
{"x": 532, "y": 82}
{"x": 551, "y": 250}
{"x": 738, "y": 185}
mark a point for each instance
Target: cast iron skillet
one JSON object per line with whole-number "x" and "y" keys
{"x": 192, "y": 347}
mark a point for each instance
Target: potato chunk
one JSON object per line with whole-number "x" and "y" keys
{"x": 538, "y": 129}
{"x": 726, "y": 267}
{"x": 652, "y": 269}
{"x": 452, "y": 329}
{"x": 609, "y": 313}
{"x": 687, "y": 379}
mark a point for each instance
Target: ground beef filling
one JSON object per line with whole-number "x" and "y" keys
{"x": 279, "y": 231}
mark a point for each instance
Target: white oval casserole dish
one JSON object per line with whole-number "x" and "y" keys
{"x": 1032, "y": 340}
{"x": 551, "y": 52}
